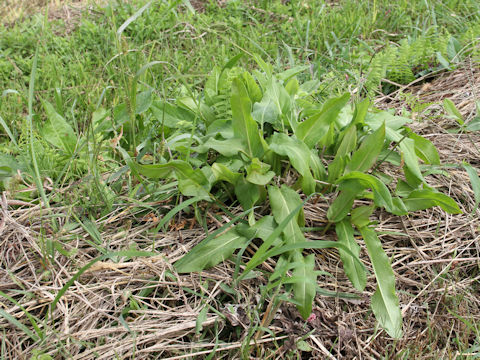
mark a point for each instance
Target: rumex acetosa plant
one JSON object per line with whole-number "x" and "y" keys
{"x": 252, "y": 129}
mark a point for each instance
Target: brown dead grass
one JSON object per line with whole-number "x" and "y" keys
{"x": 68, "y": 11}
{"x": 435, "y": 256}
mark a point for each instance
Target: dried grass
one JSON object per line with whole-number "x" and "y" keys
{"x": 435, "y": 256}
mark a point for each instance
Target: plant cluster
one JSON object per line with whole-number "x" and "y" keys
{"x": 276, "y": 132}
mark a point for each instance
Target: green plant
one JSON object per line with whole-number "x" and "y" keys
{"x": 276, "y": 126}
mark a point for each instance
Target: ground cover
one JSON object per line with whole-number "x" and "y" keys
{"x": 115, "y": 77}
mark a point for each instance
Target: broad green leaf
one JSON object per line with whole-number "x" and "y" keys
{"x": 190, "y": 182}
{"x": 290, "y": 73}
{"x": 223, "y": 173}
{"x": 189, "y": 187}
{"x": 254, "y": 92}
{"x": 232, "y": 62}
{"x": 247, "y": 193}
{"x": 283, "y": 201}
{"x": 314, "y": 128}
{"x": 407, "y": 146}
{"x": 361, "y": 215}
{"x": 171, "y": 116}
{"x": 342, "y": 205}
{"x": 304, "y": 287}
{"x": 200, "y": 109}
{"x": 385, "y": 304}
{"x": 426, "y": 198}
{"x": 57, "y": 131}
{"x": 263, "y": 253}
{"x": 425, "y": 149}
{"x": 329, "y": 138}
{"x": 344, "y": 118}
{"x": 318, "y": 170}
{"x": 230, "y": 147}
{"x": 366, "y": 155}
{"x": 292, "y": 86}
{"x": 355, "y": 272}
{"x": 143, "y": 101}
{"x": 474, "y": 181}
{"x": 336, "y": 168}
{"x": 452, "y": 110}
{"x": 244, "y": 127}
{"x": 258, "y": 173}
{"x": 265, "y": 111}
{"x": 262, "y": 229}
{"x": 298, "y": 154}
{"x": 208, "y": 254}
{"x": 398, "y": 207}
{"x": 361, "y": 110}
{"x": 381, "y": 194}
{"x": 376, "y": 119}
{"x": 349, "y": 141}
{"x": 474, "y": 124}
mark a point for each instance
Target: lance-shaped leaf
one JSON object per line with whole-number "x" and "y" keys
{"x": 342, "y": 205}
{"x": 384, "y": 303}
{"x": 475, "y": 182}
{"x": 299, "y": 155}
{"x": 354, "y": 270}
{"x": 247, "y": 193}
{"x": 349, "y": 141}
{"x": 381, "y": 194}
{"x": 426, "y": 198}
{"x": 304, "y": 281}
{"x": 407, "y": 146}
{"x": 425, "y": 149}
{"x": 57, "y": 131}
{"x": 212, "y": 252}
{"x": 244, "y": 127}
{"x": 230, "y": 147}
{"x": 314, "y": 128}
{"x": 366, "y": 155}
{"x": 190, "y": 182}
{"x": 361, "y": 215}
{"x": 262, "y": 229}
{"x": 223, "y": 173}
{"x": 283, "y": 201}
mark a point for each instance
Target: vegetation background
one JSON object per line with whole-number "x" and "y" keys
{"x": 88, "y": 245}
